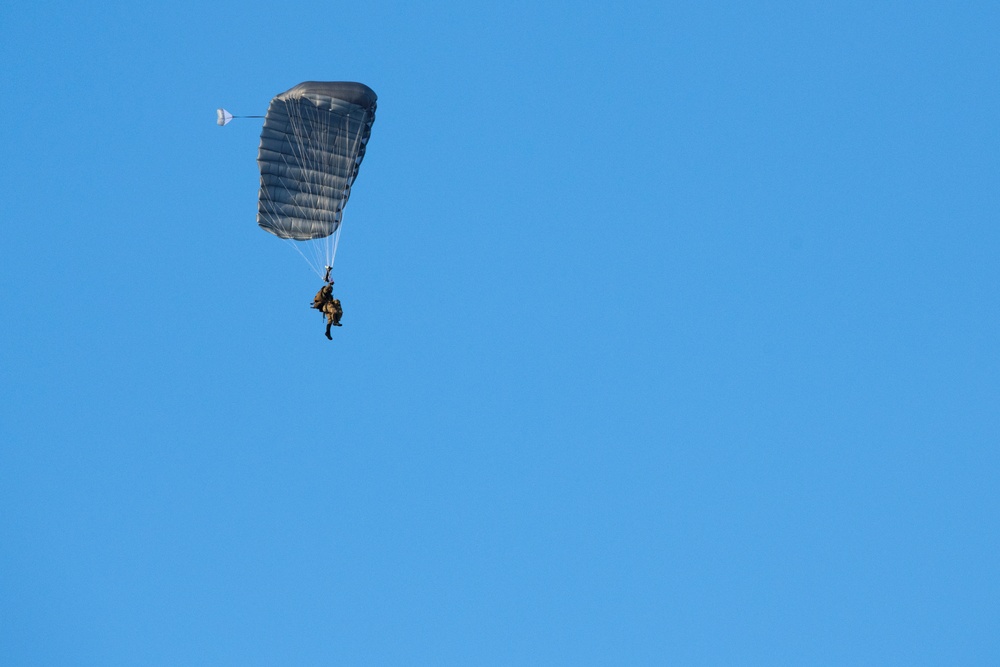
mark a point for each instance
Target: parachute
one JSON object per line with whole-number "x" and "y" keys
{"x": 311, "y": 146}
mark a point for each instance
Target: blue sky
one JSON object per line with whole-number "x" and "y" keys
{"x": 669, "y": 338}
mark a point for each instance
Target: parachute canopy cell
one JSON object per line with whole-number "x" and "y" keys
{"x": 311, "y": 147}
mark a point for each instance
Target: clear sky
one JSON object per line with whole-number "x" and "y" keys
{"x": 670, "y": 337}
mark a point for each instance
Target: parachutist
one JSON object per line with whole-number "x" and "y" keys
{"x": 329, "y": 306}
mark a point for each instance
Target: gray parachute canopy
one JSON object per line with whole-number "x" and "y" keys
{"x": 311, "y": 147}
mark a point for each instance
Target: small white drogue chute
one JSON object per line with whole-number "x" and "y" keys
{"x": 223, "y": 116}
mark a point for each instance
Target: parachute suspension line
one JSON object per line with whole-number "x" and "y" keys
{"x": 332, "y": 254}
{"x": 334, "y": 239}
{"x": 306, "y": 130}
{"x": 355, "y": 140}
{"x": 311, "y": 261}
{"x": 331, "y": 137}
{"x": 316, "y": 129}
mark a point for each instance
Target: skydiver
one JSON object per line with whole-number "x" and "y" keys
{"x": 329, "y": 306}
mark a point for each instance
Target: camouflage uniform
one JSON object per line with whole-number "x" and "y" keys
{"x": 325, "y": 303}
